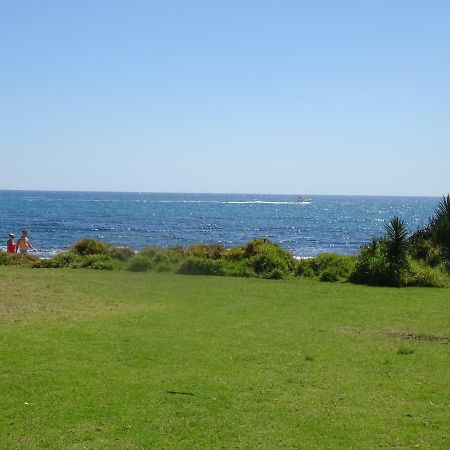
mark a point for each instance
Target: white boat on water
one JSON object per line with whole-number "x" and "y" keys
{"x": 303, "y": 200}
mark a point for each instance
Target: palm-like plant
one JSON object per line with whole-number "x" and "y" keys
{"x": 373, "y": 246}
{"x": 397, "y": 239}
{"x": 443, "y": 209}
{"x": 441, "y": 223}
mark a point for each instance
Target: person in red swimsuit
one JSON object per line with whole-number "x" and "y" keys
{"x": 11, "y": 246}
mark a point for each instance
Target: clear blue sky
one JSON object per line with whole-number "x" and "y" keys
{"x": 301, "y": 97}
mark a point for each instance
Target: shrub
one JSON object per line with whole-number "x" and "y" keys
{"x": 263, "y": 246}
{"x": 237, "y": 268}
{"x": 268, "y": 260}
{"x": 154, "y": 258}
{"x": 260, "y": 258}
{"x": 421, "y": 274}
{"x": 269, "y": 265}
{"x": 140, "y": 263}
{"x": 164, "y": 256}
{"x": 329, "y": 275}
{"x": 194, "y": 265}
{"x": 85, "y": 247}
{"x": 305, "y": 268}
{"x": 90, "y": 247}
{"x": 16, "y": 259}
{"x": 121, "y": 253}
{"x": 275, "y": 274}
{"x": 150, "y": 251}
{"x": 164, "y": 267}
{"x": 99, "y": 262}
{"x": 396, "y": 242}
{"x": 210, "y": 251}
{"x": 397, "y": 260}
{"x": 440, "y": 224}
{"x": 327, "y": 267}
{"x": 372, "y": 266}
{"x": 428, "y": 252}
{"x": 168, "y": 256}
{"x": 76, "y": 261}
{"x": 234, "y": 253}
{"x": 435, "y": 236}
{"x": 65, "y": 259}
{"x": 164, "y": 259}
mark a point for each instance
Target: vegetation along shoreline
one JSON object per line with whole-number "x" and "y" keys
{"x": 396, "y": 259}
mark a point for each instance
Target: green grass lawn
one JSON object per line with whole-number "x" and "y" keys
{"x": 119, "y": 360}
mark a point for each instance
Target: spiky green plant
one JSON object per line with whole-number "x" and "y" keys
{"x": 441, "y": 224}
{"x": 443, "y": 208}
{"x": 373, "y": 246}
{"x": 397, "y": 239}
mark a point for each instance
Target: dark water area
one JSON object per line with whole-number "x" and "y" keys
{"x": 339, "y": 224}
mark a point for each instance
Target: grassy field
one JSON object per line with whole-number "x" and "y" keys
{"x": 118, "y": 360}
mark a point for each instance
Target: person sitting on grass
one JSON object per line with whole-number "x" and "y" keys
{"x": 11, "y": 246}
{"x": 23, "y": 243}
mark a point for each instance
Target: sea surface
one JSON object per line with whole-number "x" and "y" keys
{"x": 341, "y": 224}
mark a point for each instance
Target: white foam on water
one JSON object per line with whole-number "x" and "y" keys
{"x": 259, "y": 202}
{"x": 185, "y": 201}
{"x": 231, "y": 202}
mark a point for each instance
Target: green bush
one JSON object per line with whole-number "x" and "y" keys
{"x": 440, "y": 225}
{"x": 396, "y": 243}
{"x": 164, "y": 259}
{"x": 99, "y": 262}
{"x": 432, "y": 242}
{"x": 421, "y": 274}
{"x": 85, "y": 247}
{"x": 234, "y": 253}
{"x": 269, "y": 265}
{"x": 329, "y": 276}
{"x": 77, "y": 261}
{"x": 263, "y": 246}
{"x": 168, "y": 257}
{"x": 65, "y": 259}
{"x": 428, "y": 252}
{"x": 164, "y": 267}
{"x": 237, "y": 268}
{"x": 420, "y": 260}
{"x": 266, "y": 259}
{"x": 121, "y": 253}
{"x": 258, "y": 258}
{"x": 210, "y": 251}
{"x": 275, "y": 274}
{"x": 140, "y": 263}
{"x": 90, "y": 247}
{"x": 327, "y": 267}
{"x": 150, "y": 251}
{"x": 377, "y": 269}
{"x": 373, "y": 267}
{"x": 165, "y": 256}
{"x": 306, "y": 268}
{"x": 16, "y": 259}
{"x": 194, "y": 265}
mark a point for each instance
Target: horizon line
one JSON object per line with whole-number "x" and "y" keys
{"x": 216, "y": 193}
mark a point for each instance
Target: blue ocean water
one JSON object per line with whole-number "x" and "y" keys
{"x": 339, "y": 224}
